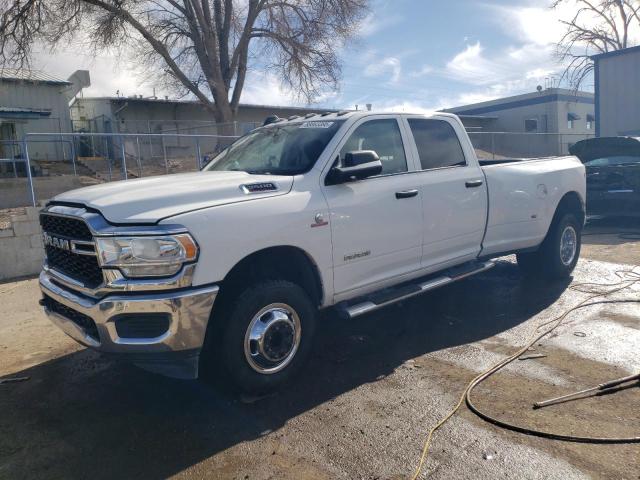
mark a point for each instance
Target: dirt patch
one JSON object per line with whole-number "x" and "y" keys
{"x": 624, "y": 320}
{"x": 510, "y": 397}
{"x": 361, "y": 408}
{"x": 5, "y": 216}
{"x": 612, "y": 240}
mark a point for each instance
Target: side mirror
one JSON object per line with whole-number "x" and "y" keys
{"x": 358, "y": 164}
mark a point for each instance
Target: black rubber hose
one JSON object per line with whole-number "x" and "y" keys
{"x": 540, "y": 433}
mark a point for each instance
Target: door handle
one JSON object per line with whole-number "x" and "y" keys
{"x": 473, "y": 183}
{"x": 406, "y": 194}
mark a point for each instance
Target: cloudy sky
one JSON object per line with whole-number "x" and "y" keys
{"x": 411, "y": 55}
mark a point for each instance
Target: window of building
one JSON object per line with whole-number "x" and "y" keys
{"x": 590, "y": 122}
{"x": 437, "y": 143}
{"x": 571, "y": 119}
{"x": 531, "y": 125}
{"x": 7, "y": 135}
{"x": 384, "y": 138}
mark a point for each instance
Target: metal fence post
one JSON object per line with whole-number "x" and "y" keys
{"x": 106, "y": 152}
{"x": 198, "y": 153}
{"x": 164, "y": 153}
{"x": 150, "y": 140}
{"x": 493, "y": 146}
{"x": 15, "y": 169}
{"x": 124, "y": 157}
{"x": 73, "y": 155}
{"x": 139, "y": 157}
{"x": 29, "y": 177}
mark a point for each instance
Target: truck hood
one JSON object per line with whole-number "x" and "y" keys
{"x": 148, "y": 200}
{"x": 599, "y": 147}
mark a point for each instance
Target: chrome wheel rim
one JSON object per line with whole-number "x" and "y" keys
{"x": 568, "y": 245}
{"x": 272, "y": 338}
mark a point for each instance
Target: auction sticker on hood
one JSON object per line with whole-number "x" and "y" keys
{"x": 316, "y": 124}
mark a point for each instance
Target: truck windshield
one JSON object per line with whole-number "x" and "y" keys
{"x": 288, "y": 149}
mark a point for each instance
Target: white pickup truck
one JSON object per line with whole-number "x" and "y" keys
{"x": 225, "y": 269}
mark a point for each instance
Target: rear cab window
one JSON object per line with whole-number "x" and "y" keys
{"x": 437, "y": 143}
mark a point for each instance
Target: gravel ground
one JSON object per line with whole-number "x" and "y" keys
{"x": 363, "y": 406}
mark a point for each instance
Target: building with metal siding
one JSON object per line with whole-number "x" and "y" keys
{"x": 563, "y": 116}
{"x": 137, "y": 114}
{"x": 32, "y": 101}
{"x": 552, "y": 109}
{"x": 153, "y": 115}
{"x": 617, "y": 87}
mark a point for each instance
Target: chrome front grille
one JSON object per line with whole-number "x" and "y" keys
{"x": 61, "y": 252}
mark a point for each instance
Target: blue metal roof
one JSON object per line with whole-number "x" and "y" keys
{"x": 522, "y": 103}
{"x": 17, "y": 112}
{"x": 615, "y": 53}
{"x": 13, "y": 74}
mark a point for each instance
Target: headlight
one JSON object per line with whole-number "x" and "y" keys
{"x": 157, "y": 256}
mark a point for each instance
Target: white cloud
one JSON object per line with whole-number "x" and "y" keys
{"x": 422, "y": 72}
{"x": 542, "y": 25}
{"x": 388, "y": 67}
{"x": 376, "y": 22}
{"x": 402, "y": 106}
{"x": 539, "y": 25}
{"x": 490, "y": 75}
{"x": 474, "y": 66}
{"x": 108, "y": 73}
{"x": 265, "y": 89}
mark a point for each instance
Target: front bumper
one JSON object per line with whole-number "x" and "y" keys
{"x": 174, "y": 353}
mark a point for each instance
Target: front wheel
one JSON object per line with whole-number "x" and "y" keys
{"x": 557, "y": 256}
{"x": 267, "y": 336}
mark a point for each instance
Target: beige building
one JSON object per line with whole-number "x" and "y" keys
{"x": 545, "y": 122}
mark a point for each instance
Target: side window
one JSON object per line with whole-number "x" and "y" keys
{"x": 438, "y": 144}
{"x": 383, "y": 137}
{"x": 531, "y": 125}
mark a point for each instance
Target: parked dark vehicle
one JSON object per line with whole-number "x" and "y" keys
{"x": 613, "y": 174}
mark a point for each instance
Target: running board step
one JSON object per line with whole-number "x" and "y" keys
{"x": 385, "y": 297}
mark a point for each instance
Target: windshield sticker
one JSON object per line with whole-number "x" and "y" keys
{"x": 316, "y": 124}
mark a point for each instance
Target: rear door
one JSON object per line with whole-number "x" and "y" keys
{"x": 453, "y": 192}
{"x": 376, "y": 223}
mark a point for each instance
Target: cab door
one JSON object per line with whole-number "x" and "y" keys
{"x": 453, "y": 192}
{"x": 376, "y": 223}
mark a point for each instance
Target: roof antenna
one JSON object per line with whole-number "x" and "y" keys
{"x": 270, "y": 119}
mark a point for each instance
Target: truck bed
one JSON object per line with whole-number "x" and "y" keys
{"x": 523, "y": 195}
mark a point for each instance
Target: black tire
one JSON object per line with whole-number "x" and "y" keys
{"x": 283, "y": 297}
{"x": 548, "y": 262}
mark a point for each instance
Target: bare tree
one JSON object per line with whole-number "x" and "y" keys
{"x": 598, "y": 26}
{"x": 203, "y": 47}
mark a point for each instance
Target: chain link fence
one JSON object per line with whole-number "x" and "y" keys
{"x": 498, "y": 145}
{"x": 96, "y": 158}
{"x": 145, "y": 148}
